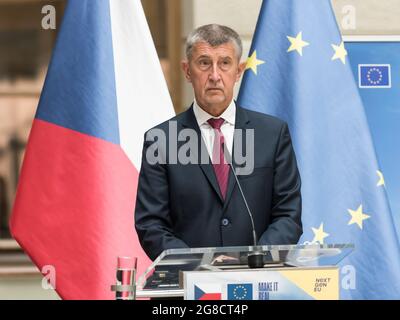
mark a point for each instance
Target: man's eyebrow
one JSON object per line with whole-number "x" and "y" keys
{"x": 208, "y": 57}
{"x": 204, "y": 56}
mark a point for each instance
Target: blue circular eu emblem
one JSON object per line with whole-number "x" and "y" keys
{"x": 240, "y": 292}
{"x": 374, "y": 76}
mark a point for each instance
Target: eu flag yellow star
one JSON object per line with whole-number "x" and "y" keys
{"x": 381, "y": 181}
{"x": 297, "y": 43}
{"x": 319, "y": 234}
{"x": 252, "y": 62}
{"x": 340, "y": 52}
{"x": 357, "y": 216}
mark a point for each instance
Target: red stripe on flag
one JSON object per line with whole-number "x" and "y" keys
{"x": 211, "y": 296}
{"x": 74, "y": 209}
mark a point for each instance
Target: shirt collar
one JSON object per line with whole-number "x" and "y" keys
{"x": 202, "y": 116}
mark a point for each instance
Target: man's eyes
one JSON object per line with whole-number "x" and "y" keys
{"x": 204, "y": 62}
{"x": 226, "y": 65}
{"x": 223, "y": 64}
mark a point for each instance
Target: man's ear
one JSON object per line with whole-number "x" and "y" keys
{"x": 241, "y": 68}
{"x": 186, "y": 69}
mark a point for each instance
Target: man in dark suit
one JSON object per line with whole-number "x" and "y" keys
{"x": 197, "y": 203}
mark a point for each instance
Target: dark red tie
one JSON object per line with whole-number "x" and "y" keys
{"x": 221, "y": 168}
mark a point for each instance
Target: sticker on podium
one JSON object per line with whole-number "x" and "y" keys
{"x": 263, "y": 284}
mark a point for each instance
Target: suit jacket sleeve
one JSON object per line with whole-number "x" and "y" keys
{"x": 152, "y": 212}
{"x": 286, "y": 226}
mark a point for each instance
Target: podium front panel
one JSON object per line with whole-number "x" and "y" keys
{"x": 315, "y": 283}
{"x": 166, "y": 272}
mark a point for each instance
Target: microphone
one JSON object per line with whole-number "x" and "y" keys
{"x": 255, "y": 259}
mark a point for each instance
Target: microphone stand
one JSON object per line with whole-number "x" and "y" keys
{"x": 255, "y": 259}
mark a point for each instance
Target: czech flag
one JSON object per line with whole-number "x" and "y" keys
{"x": 207, "y": 291}
{"x": 74, "y": 208}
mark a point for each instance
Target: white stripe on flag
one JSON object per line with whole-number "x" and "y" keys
{"x": 142, "y": 94}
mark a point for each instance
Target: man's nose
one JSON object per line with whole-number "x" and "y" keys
{"x": 214, "y": 74}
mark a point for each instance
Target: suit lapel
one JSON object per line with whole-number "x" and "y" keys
{"x": 241, "y": 123}
{"x": 189, "y": 121}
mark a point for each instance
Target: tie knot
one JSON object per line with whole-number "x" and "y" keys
{"x": 216, "y": 123}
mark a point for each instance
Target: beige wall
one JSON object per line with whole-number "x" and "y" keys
{"x": 27, "y": 287}
{"x": 355, "y": 17}
{"x": 371, "y": 17}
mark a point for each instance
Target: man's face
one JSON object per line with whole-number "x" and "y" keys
{"x": 213, "y": 72}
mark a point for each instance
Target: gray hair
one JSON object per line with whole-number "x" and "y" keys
{"x": 214, "y": 35}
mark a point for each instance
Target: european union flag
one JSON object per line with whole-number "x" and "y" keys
{"x": 298, "y": 71}
{"x": 374, "y": 76}
{"x": 240, "y": 291}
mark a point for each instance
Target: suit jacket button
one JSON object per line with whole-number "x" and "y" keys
{"x": 225, "y": 222}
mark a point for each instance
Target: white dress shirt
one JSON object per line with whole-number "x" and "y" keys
{"x": 207, "y": 132}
